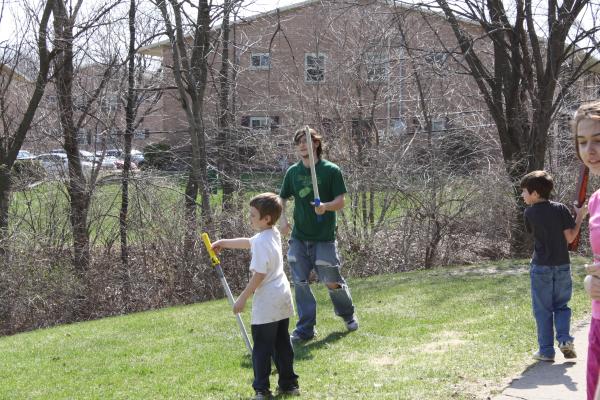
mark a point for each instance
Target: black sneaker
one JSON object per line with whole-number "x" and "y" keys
{"x": 293, "y": 391}
{"x": 295, "y": 337}
{"x": 262, "y": 395}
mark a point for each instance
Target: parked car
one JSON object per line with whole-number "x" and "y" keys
{"x": 87, "y": 155}
{"x": 108, "y": 162}
{"x": 25, "y": 155}
{"x": 112, "y": 152}
{"x": 57, "y": 163}
{"x": 53, "y": 163}
{"x": 136, "y": 156}
{"x": 120, "y": 164}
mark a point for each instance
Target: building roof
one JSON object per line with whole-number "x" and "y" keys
{"x": 154, "y": 49}
{"x": 22, "y": 67}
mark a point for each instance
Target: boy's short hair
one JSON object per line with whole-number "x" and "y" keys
{"x": 589, "y": 110}
{"x": 316, "y": 137}
{"x": 538, "y": 181}
{"x": 267, "y": 204}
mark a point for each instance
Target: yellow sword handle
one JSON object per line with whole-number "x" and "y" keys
{"x": 213, "y": 257}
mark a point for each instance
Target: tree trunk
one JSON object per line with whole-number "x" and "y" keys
{"x": 5, "y": 185}
{"x": 190, "y": 72}
{"x": 129, "y": 116}
{"x": 81, "y": 240}
{"x": 224, "y": 147}
{"x": 77, "y": 184}
{"x": 8, "y": 154}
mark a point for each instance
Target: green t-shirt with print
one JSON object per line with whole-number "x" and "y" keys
{"x": 297, "y": 183}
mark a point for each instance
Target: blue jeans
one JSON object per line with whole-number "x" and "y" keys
{"x": 551, "y": 289}
{"x": 303, "y": 257}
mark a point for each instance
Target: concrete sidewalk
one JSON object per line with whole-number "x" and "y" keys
{"x": 560, "y": 380}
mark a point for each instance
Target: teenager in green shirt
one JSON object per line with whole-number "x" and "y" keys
{"x": 312, "y": 245}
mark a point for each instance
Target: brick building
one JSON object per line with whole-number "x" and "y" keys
{"x": 366, "y": 71}
{"x": 365, "y": 74}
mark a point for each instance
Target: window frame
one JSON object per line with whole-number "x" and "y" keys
{"x": 109, "y": 103}
{"x": 265, "y": 119}
{"x": 261, "y": 56}
{"x": 323, "y": 68}
{"x": 439, "y": 122}
{"x": 383, "y": 64}
{"x": 82, "y": 136}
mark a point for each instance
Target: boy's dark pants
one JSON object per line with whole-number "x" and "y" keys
{"x": 272, "y": 340}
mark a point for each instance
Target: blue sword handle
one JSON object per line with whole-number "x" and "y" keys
{"x": 318, "y": 203}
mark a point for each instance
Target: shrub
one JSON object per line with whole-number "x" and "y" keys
{"x": 158, "y": 156}
{"x": 28, "y": 171}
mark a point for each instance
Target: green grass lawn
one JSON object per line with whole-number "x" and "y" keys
{"x": 451, "y": 333}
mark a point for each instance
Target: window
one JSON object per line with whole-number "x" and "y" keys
{"x": 100, "y": 137}
{"x": 82, "y": 136}
{"x": 314, "y": 67}
{"x": 109, "y": 103}
{"x": 398, "y": 126}
{"x": 377, "y": 67}
{"x": 261, "y": 122}
{"x": 141, "y": 134}
{"x": 436, "y": 58}
{"x": 260, "y": 61}
{"x": 80, "y": 102}
{"x": 438, "y": 124}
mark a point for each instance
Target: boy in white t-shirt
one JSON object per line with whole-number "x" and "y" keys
{"x": 272, "y": 304}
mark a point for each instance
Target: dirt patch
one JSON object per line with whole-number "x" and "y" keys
{"x": 387, "y": 360}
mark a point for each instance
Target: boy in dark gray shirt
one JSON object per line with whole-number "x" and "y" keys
{"x": 552, "y": 227}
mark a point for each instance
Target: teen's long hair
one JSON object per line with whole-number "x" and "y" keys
{"x": 589, "y": 110}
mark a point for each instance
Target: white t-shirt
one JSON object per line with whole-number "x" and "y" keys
{"x": 273, "y": 298}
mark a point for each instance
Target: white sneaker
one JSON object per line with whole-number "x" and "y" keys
{"x": 540, "y": 357}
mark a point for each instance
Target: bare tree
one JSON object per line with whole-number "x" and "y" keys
{"x": 65, "y": 22}
{"x": 12, "y": 137}
{"x": 226, "y": 150}
{"x": 190, "y": 71}
{"x": 525, "y": 78}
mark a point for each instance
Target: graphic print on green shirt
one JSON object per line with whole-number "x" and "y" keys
{"x": 307, "y": 183}
{"x": 297, "y": 183}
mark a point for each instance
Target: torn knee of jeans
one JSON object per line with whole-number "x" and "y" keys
{"x": 291, "y": 258}
{"x": 301, "y": 283}
{"x": 334, "y": 285}
{"x": 322, "y": 263}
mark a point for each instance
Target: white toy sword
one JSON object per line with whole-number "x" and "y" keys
{"x": 313, "y": 173}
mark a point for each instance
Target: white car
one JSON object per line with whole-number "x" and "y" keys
{"x": 86, "y": 155}
{"x": 25, "y": 155}
{"x": 136, "y": 156}
{"x": 54, "y": 163}
{"x": 57, "y": 163}
{"x": 108, "y": 162}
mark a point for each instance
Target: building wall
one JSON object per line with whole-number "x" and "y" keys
{"x": 424, "y": 80}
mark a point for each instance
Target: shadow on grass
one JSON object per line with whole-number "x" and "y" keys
{"x": 302, "y": 350}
